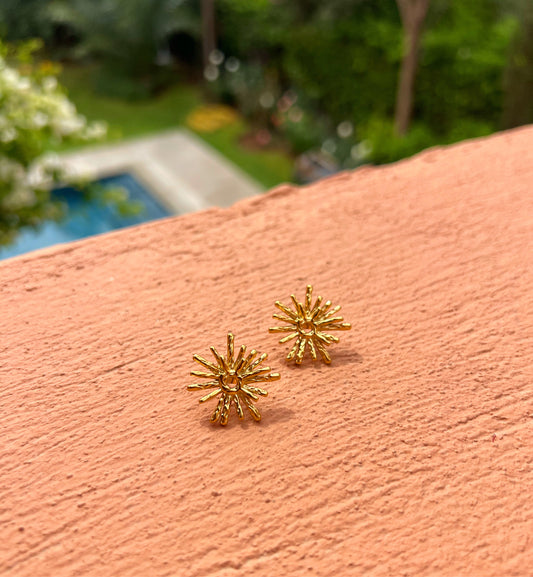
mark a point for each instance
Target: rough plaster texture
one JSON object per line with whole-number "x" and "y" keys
{"x": 410, "y": 455}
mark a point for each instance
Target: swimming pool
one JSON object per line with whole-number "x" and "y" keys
{"x": 88, "y": 217}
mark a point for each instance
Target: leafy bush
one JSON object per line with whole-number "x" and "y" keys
{"x": 344, "y": 55}
{"x": 35, "y": 115}
{"x": 255, "y": 30}
{"x": 464, "y": 54}
{"x": 383, "y": 145}
{"x": 303, "y": 129}
{"x": 340, "y": 54}
{"x": 242, "y": 85}
{"x": 23, "y": 19}
{"x": 343, "y": 67}
{"x": 129, "y": 38}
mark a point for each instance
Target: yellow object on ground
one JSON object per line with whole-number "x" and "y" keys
{"x": 211, "y": 118}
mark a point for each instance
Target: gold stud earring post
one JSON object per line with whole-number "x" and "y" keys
{"x": 309, "y": 324}
{"x": 233, "y": 379}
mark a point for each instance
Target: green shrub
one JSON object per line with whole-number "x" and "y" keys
{"x": 304, "y": 130}
{"x": 344, "y": 56}
{"x": 35, "y": 115}
{"x": 383, "y": 145}
{"x": 349, "y": 70}
{"x": 463, "y": 58}
{"x": 125, "y": 37}
{"x": 23, "y": 19}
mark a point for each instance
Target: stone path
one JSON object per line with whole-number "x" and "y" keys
{"x": 177, "y": 167}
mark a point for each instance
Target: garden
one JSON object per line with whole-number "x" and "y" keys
{"x": 288, "y": 90}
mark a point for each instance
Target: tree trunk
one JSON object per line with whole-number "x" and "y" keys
{"x": 413, "y": 13}
{"x": 209, "y": 41}
{"x": 518, "y": 100}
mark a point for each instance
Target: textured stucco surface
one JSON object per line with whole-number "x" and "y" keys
{"x": 410, "y": 455}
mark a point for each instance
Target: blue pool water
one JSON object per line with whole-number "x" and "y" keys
{"x": 87, "y": 218}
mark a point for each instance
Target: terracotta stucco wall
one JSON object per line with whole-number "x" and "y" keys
{"x": 410, "y": 455}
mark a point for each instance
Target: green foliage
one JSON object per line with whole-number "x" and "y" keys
{"x": 252, "y": 29}
{"x": 23, "y": 19}
{"x": 244, "y": 87}
{"x": 330, "y": 64}
{"x": 464, "y": 53}
{"x": 383, "y": 145}
{"x": 322, "y": 50}
{"x": 125, "y": 37}
{"x": 344, "y": 55}
{"x": 304, "y": 130}
{"x": 35, "y": 115}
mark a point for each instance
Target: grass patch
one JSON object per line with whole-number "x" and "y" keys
{"x": 129, "y": 119}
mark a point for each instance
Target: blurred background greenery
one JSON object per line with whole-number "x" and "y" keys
{"x": 290, "y": 89}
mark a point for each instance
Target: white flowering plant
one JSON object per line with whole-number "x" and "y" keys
{"x": 35, "y": 117}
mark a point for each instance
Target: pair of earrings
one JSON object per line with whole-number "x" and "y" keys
{"x": 235, "y": 378}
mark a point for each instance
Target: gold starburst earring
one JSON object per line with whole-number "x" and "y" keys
{"x": 309, "y": 325}
{"x": 233, "y": 379}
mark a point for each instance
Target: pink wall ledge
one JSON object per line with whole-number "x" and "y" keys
{"x": 411, "y": 454}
